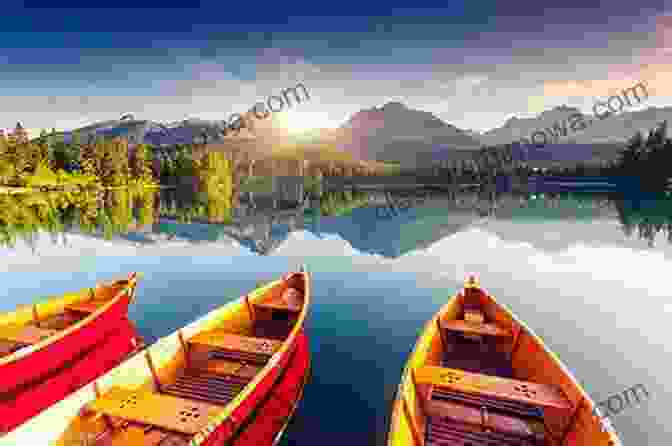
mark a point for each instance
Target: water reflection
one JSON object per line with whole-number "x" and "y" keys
{"x": 387, "y": 223}
{"x": 648, "y": 217}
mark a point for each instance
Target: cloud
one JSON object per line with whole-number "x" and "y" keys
{"x": 79, "y": 250}
{"x": 477, "y": 85}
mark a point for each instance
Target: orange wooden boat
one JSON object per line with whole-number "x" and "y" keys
{"x": 478, "y": 376}
{"x": 233, "y": 377}
{"x": 50, "y": 349}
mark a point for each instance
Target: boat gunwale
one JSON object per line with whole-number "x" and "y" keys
{"x": 129, "y": 289}
{"x": 217, "y": 420}
{"x": 403, "y": 390}
{"x": 296, "y": 404}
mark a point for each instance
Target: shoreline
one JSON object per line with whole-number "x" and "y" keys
{"x": 14, "y": 190}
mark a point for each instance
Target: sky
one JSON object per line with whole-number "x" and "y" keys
{"x": 472, "y": 64}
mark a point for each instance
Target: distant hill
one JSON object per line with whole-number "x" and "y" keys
{"x": 150, "y": 132}
{"x": 395, "y": 132}
{"x": 613, "y": 129}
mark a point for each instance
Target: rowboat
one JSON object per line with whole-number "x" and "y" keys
{"x": 234, "y": 375}
{"x": 52, "y": 348}
{"x": 479, "y": 376}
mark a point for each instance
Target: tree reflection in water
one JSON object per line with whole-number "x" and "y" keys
{"x": 110, "y": 213}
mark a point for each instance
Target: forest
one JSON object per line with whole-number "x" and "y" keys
{"x": 48, "y": 161}
{"x": 647, "y": 159}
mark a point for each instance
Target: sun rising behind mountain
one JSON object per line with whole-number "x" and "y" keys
{"x": 297, "y": 122}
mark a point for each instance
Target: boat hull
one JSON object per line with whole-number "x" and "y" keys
{"x": 32, "y": 363}
{"x": 271, "y": 404}
{"x": 87, "y": 366}
{"x": 278, "y": 406}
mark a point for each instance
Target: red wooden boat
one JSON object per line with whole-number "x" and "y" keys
{"x": 50, "y": 349}
{"x": 234, "y": 377}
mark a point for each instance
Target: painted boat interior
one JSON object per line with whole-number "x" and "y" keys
{"x": 172, "y": 392}
{"x": 478, "y": 376}
{"x": 39, "y": 324}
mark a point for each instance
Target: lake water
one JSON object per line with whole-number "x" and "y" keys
{"x": 588, "y": 273}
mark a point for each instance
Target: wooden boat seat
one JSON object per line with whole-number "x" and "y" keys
{"x": 25, "y": 334}
{"x": 226, "y": 367}
{"x": 165, "y": 411}
{"x": 505, "y": 389}
{"x": 161, "y": 437}
{"x": 134, "y": 434}
{"x": 470, "y": 328}
{"x": 203, "y": 386}
{"x": 484, "y": 420}
{"x": 445, "y": 432}
{"x": 236, "y": 347}
{"x": 57, "y": 322}
{"x": 474, "y": 316}
{"x": 85, "y": 307}
{"x": 515, "y": 408}
{"x": 289, "y": 301}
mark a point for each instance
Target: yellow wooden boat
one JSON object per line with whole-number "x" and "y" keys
{"x": 234, "y": 376}
{"x": 479, "y": 376}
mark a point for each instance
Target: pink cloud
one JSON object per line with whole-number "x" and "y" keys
{"x": 653, "y": 65}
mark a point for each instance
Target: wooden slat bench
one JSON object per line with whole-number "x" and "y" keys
{"x": 472, "y": 417}
{"x": 224, "y": 367}
{"x": 277, "y": 304}
{"x": 85, "y": 307}
{"x": 471, "y": 328}
{"x": 235, "y": 347}
{"x": 57, "y": 321}
{"x": 505, "y": 389}
{"x": 146, "y": 407}
{"x": 214, "y": 389}
{"x": 139, "y": 435}
{"x": 442, "y": 432}
{"x": 159, "y": 437}
{"x": 492, "y": 404}
{"x": 289, "y": 301}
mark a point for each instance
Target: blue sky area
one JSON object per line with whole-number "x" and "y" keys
{"x": 473, "y": 64}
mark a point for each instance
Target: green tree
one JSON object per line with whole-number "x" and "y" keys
{"x": 141, "y": 169}
{"x": 7, "y": 166}
{"x": 88, "y": 161}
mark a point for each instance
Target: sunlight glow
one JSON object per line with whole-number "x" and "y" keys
{"x": 302, "y": 121}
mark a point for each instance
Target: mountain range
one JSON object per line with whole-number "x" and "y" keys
{"x": 395, "y": 133}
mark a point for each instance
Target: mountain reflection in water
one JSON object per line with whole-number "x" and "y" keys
{"x": 378, "y": 222}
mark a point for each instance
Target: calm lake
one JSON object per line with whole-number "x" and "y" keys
{"x": 588, "y": 273}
